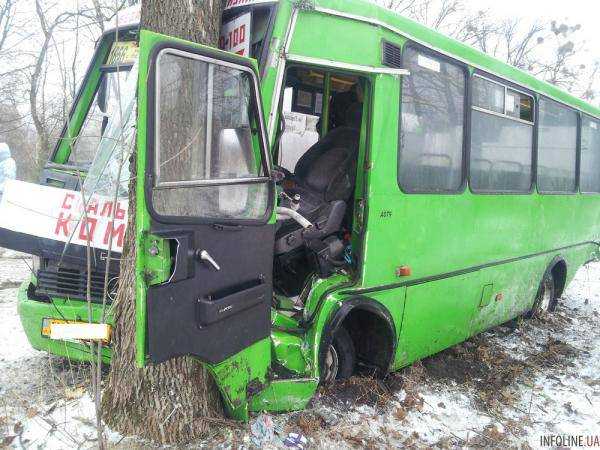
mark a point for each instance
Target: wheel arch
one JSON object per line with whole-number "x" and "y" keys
{"x": 558, "y": 269}
{"x": 374, "y": 315}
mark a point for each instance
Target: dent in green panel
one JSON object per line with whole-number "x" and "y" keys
{"x": 508, "y": 291}
{"x": 319, "y": 288}
{"x": 289, "y": 351}
{"x": 437, "y": 315}
{"x": 284, "y": 395}
{"x": 486, "y": 295}
{"x": 240, "y": 374}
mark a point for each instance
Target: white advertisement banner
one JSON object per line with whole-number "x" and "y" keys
{"x": 230, "y": 4}
{"x": 235, "y": 35}
{"x": 126, "y": 17}
{"x": 57, "y": 214}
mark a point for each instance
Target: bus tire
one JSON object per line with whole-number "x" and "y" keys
{"x": 339, "y": 358}
{"x": 546, "y": 299}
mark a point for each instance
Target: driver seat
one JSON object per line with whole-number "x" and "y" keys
{"x": 324, "y": 179}
{"x": 327, "y": 171}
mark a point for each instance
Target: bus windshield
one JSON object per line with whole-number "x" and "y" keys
{"x": 109, "y": 172}
{"x": 115, "y": 74}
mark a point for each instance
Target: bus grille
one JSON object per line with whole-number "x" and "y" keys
{"x": 72, "y": 283}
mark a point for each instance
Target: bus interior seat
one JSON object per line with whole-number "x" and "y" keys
{"x": 324, "y": 178}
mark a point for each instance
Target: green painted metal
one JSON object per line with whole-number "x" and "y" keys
{"x": 33, "y": 312}
{"x": 240, "y": 376}
{"x": 142, "y": 219}
{"x": 486, "y": 295}
{"x": 289, "y": 350}
{"x": 284, "y": 395}
{"x": 476, "y": 260}
{"x": 158, "y": 260}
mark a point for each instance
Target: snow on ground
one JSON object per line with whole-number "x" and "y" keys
{"x": 504, "y": 388}
{"x": 43, "y": 400}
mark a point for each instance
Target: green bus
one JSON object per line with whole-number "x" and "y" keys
{"x": 343, "y": 191}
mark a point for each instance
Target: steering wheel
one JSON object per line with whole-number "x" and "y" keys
{"x": 281, "y": 173}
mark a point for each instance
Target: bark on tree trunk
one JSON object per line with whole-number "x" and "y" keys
{"x": 173, "y": 402}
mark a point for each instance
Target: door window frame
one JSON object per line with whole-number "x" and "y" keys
{"x": 217, "y": 57}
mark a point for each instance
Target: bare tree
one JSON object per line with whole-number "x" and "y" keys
{"x": 7, "y": 9}
{"x": 551, "y": 51}
{"x": 590, "y": 93}
{"x": 37, "y": 104}
{"x": 561, "y": 68}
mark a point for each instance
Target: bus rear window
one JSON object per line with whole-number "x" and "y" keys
{"x": 557, "y": 148}
{"x": 590, "y": 155}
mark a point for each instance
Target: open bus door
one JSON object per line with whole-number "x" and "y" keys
{"x": 206, "y": 198}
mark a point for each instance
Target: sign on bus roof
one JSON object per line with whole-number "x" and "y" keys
{"x": 126, "y": 17}
{"x": 230, "y": 4}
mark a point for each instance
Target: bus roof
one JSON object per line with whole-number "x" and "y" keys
{"x": 363, "y": 10}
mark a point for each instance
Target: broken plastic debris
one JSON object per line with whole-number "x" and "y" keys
{"x": 263, "y": 430}
{"x": 296, "y": 441}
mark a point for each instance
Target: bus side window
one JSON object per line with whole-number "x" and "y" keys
{"x": 501, "y": 138}
{"x": 590, "y": 155}
{"x": 557, "y": 149}
{"x": 432, "y": 125}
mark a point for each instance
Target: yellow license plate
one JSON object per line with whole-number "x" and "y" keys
{"x": 46, "y": 323}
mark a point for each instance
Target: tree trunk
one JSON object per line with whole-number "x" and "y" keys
{"x": 173, "y": 402}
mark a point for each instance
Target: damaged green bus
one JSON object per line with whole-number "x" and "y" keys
{"x": 341, "y": 191}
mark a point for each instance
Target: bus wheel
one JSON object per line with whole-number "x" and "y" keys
{"x": 546, "y": 299}
{"x": 339, "y": 359}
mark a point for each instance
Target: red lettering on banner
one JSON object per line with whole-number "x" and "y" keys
{"x": 120, "y": 213}
{"x": 118, "y": 232}
{"x": 62, "y": 224}
{"x": 106, "y": 210}
{"x": 93, "y": 207}
{"x": 242, "y": 34}
{"x": 66, "y": 202}
{"x": 84, "y": 234}
{"x": 232, "y": 3}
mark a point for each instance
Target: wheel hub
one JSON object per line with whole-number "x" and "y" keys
{"x": 546, "y": 297}
{"x": 331, "y": 365}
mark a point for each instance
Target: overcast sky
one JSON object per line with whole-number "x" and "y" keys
{"x": 584, "y": 12}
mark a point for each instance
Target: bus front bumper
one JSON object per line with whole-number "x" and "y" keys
{"x": 33, "y": 312}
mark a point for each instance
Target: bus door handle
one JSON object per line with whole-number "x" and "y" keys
{"x": 204, "y": 256}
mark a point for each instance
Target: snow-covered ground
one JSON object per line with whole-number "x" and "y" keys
{"x": 504, "y": 388}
